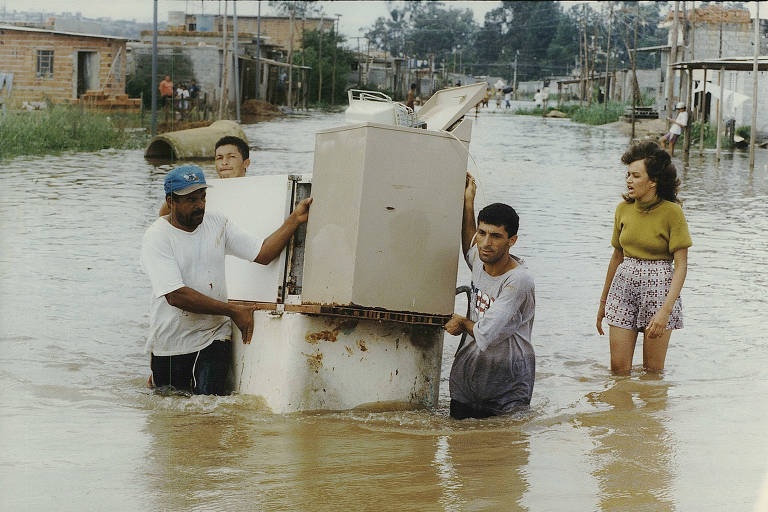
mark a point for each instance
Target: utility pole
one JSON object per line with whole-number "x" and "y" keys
{"x": 154, "y": 71}
{"x": 359, "y": 67}
{"x": 333, "y": 76}
{"x": 258, "y": 52}
{"x": 290, "y": 61}
{"x": 320, "y": 61}
{"x": 225, "y": 72}
{"x": 237, "y": 63}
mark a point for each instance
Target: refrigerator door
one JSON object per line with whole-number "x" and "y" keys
{"x": 445, "y": 107}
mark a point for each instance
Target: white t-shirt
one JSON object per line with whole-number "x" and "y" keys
{"x": 682, "y": 118}
{"x": 174, "y": 258}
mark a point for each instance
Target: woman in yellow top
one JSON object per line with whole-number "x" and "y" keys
{"x": 642, "y": 286}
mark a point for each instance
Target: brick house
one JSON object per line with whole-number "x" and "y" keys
{"x": 60, "y": 66}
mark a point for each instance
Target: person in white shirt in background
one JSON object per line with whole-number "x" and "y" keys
{"x": 675, "y": 129}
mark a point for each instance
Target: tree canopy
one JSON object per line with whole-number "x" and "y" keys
{"x": 543, "y": 38}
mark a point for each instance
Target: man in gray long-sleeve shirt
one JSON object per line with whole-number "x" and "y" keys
{"x": 493, "y": 372}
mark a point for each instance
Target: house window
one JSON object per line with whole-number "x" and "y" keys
{"x": 44, "y": 63}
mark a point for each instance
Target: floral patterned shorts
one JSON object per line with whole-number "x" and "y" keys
{"x": 638, "y": 291}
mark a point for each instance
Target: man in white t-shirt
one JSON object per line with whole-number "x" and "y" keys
{"x": 675, "y": 129}
{"x": 183, "y": 254}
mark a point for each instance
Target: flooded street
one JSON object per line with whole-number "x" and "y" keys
{"x": 80, "y": 431}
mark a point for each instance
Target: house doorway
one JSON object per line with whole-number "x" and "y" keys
{"x": 87, "y": 71}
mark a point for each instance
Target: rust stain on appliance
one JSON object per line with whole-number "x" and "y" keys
{"x": 314, "y": 361}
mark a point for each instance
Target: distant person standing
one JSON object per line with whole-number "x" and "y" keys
{"x": 194, "y": 90}
{"x": 649, "y": 262}
{"x": 508, "y": 99}
{"x": 166, "y": 90}
{"x": 676, "y": 128}
{"x": 493, "y": 372}
{"x": 498, "y": 99}
{"x": 411, "y": 97}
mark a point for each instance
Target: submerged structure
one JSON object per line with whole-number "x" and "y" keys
{"x": 351, "y": 314}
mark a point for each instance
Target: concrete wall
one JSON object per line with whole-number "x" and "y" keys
{"x": 277, "y": 29}
{"x": 18, "y": 55}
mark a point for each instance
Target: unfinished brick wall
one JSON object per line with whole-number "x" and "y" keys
{"x": 18, "y": 55}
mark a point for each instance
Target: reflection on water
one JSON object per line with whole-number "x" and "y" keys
{"x": 80, "y": 431}
{"x": 634, "y": 453}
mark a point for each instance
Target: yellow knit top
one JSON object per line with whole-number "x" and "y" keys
{"x": 653, "y": 230}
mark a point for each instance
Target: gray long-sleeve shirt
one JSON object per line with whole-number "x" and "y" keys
{"x": 495, "y": 370}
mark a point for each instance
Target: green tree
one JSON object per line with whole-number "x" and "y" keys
{"x": 426, "y": 30}
{"x": 344, "y": 60}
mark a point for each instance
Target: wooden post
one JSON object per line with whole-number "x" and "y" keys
{"x": 607, "y": 61}
{"x": 635, "y": 86}
{"x": 688, "y": 106}
{"x": 701, "y": 118}
{"x": 720, "y": 108}
{"x": 672, "y": 60}
{"x": 752, "y": 129}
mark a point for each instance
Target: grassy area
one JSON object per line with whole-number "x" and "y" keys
{"x": 594, "y": 114}
{"x": 710, "y": 136}
{"x": 67, "y": 128}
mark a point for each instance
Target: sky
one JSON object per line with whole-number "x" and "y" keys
{"x": 356, "y": 15}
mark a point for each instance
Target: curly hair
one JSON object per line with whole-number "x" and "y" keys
{"x": 658, "y": 165}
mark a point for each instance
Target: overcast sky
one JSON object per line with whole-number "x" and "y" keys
{"x": 355, "y": 15}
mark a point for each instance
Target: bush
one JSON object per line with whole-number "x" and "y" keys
{"x": 597, "y": 113}
{"x": 744, "y": 131}
{"x": 67, "y": 128}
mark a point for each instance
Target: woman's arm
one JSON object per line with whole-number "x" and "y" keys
{"x": 658, "y": 323}
{"x": 616, "y": 258}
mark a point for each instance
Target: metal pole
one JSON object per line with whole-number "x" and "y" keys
{"x": 154, "y": 71}
{"x": 237, "y": 64}
{"x": 258, "y": 52}
{"x": 752, "y": 129}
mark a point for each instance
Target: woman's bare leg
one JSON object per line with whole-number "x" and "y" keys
{"x": 655, "y": 351}
{"x": 622, "y": 349}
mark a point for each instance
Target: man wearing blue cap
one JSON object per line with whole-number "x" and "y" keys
{"x": 183, "y": 254}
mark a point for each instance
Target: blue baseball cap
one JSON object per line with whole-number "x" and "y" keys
{"x": 184, "y": 180}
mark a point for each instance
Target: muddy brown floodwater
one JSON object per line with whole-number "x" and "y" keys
{"x": 80, "y": 431}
